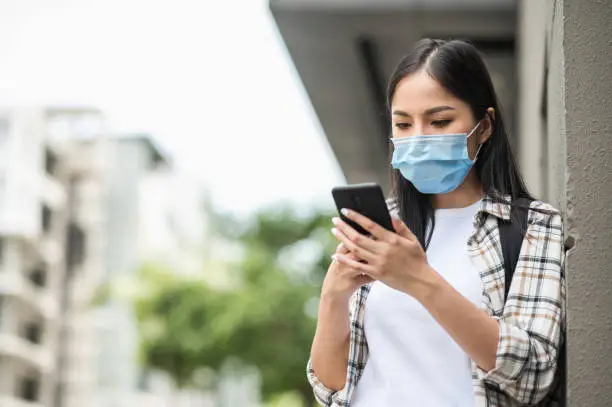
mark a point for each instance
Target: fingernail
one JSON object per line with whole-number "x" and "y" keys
{"x": 334, "y": 257}
{"x": 344, "y": 211}
{"x": 335, "y": 221}
{"x": 334, "y": 231}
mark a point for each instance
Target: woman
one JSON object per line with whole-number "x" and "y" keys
{"x": 419, "y": 317}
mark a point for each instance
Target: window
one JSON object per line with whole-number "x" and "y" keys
{"x": 29, "y": 389}
{"x": 38, "y": 277}
{"x": 75, "y": 249}
{"x": 50, "y": 162}
{"x": 46, "y": 219}
{"x": 33, "y": 333}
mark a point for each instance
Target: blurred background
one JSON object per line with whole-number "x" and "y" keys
{"x": 166, "y": 167}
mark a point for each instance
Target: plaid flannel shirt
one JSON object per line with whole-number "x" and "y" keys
{"x": 530, "y": 319}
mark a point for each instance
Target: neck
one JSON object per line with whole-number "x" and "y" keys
{"x": 467, "y": 194}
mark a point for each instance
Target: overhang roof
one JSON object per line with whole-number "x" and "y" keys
{"x": 344, "y": 51}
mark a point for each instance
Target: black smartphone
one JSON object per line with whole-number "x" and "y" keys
{"x": 366, "y": 199}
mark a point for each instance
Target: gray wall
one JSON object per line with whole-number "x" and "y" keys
{"x": 531, "y": 39}
{"x": 567, "y": 154}
{"x": 587, "y": 30}
{"x": 555, "y": 148}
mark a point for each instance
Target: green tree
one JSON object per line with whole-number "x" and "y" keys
{"x": 264, "y": 321}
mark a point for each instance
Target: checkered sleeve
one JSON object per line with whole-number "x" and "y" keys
{"x": 356, "y": 359}
{"x": 531, "y": 325}
{"x": 322, "y": 393}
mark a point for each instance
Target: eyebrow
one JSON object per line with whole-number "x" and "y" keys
{"x": 433, "y": 110}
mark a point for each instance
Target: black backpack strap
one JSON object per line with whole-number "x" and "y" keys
{"x": 511, "y": 235}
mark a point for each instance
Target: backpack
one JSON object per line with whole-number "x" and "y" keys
{"x": 511, "y": 239}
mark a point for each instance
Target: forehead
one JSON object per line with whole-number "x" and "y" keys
{"x": 419, "y": 91}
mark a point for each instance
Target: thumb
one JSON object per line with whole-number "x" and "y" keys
{"x": 401, "y": 229}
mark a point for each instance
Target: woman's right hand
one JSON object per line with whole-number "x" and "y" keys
{"x": 331, "y": 344}
{"x": 342, "y": 281}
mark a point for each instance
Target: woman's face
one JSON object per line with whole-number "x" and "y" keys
{"x": 421, "y": 106}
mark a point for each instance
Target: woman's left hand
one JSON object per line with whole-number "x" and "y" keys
{"x": 396, "y": 259}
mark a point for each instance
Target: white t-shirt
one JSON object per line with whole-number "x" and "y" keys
{"x": 413, "y": 362}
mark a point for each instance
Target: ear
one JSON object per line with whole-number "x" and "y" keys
{"x": 487, "y": 125}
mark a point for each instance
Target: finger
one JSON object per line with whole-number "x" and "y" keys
{"x": 403, "y": 230}
{"x": 354, "y": 246}
{"x": 359, "y": 276}
{"x": 349, "y": 254}
{"x": 357, "y": 238}
{"x": 357, "y": 266}
{"x": 342, "y": 249}
{"x": 353, "y": 256}
{"x": 353, "y": 273}
{"x": 364, "y": 279}
{"x": 372, "y": 227}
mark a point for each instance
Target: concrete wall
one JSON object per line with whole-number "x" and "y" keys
{"x": 541, "y": 103}
{"x": 567, "y": 157}
{"x": 587, "y": 29}
{"x": 555, "y": 147}
{"x": 531, "y": 39}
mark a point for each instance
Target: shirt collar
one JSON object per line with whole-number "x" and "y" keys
{"x": 489, "y": 206}
{"x": 498, "y": 209}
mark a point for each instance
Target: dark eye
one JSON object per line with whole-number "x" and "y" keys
{"x": 402, "y": 126}
{"x": 440, "y": 123}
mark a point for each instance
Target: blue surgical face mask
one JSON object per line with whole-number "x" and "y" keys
{"x": 435, "y": 164}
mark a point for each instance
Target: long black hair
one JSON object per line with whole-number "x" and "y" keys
{"x": 458, "y": 67}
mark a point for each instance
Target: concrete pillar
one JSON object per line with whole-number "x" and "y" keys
{"x": 580, "y": 174}
{"x": 556, "y": 169}
{"x": 531, "y": 56}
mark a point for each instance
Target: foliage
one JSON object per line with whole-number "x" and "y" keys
{"x": 185, "y": 324}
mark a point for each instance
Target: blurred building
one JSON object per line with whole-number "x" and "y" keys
{"x": 152, "y": 216}
{"x": 41, "y": 249}
{"x": 173, "y": 225}
{"x": 129, "y": 161}
{"x": 79, "y": 136}
{"x": 550, "y": 59}
{"x": 78, "y": 209}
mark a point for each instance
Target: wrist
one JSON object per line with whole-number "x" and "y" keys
{"x": 430, "y": 286}
{"x": 333, "y": 317}
{"x": 333, "y": 300}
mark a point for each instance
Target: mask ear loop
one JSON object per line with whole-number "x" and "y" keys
{"x": 480, "y": 145}
{"x": 474, "y": 129}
